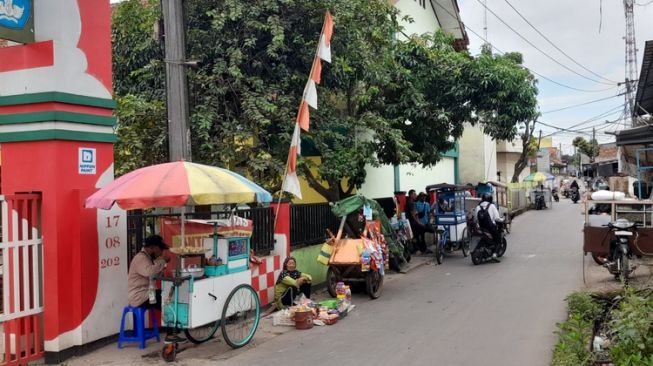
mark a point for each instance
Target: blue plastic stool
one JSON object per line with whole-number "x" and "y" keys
{"x": 139, "y": 334}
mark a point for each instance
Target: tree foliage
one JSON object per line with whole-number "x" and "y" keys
{"x": 590, "y": 148}
{"x": 255, "y": 59}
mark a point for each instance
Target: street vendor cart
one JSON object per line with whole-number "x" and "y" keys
{"x": 450, "y": 219}
{"x": 196, "y": 298}
{"x": 362, "y": 247}
{"x": 598, "y": 235}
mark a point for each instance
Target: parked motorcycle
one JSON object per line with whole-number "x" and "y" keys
{"x": 555, "y": 195}
{"x": 540, "y": 203}
{"x": 575, "y": 195}
{"x": 618, "y": 263}
{"x": 486, "y": 246}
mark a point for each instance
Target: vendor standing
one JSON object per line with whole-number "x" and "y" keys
{"x": 148, "y": 263}
{"x": 291, "y": 283}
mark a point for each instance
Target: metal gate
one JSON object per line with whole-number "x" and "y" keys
{"x": 21, "y": 268}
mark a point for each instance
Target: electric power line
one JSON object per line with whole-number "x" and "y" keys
{"x": 542, "y": 52}
{"x": 581, "y": 104}
{"x": 554, "y": 45}
{"x": 527, "y": 68}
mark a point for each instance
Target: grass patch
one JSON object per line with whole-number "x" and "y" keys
{"x": 606, "y": 329}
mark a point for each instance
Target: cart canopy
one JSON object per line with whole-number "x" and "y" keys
{"x": 354, "y": 203}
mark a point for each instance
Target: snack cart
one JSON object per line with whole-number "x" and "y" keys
{"x": 450, "y": 219}
{"x": 361, "y": 248}
{"x": 195, "y": 298}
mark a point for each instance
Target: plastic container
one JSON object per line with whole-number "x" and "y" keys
{"x": 214, "y": 271}
{"x": 340, "y": 291}
{"x": 303, "y": 320}
{"x": 347, "y": 293}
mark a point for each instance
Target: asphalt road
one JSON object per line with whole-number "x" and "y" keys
{"x": 455, "y": 314}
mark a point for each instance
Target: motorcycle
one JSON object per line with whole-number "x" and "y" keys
{"x": 575, "y": 195}
{"x": 565, "y": 192}
{"x": 555, "y": 195}
{"x": 486, "y": 246}
{"x": 540, "y": 203}
{"x": 618, "y": 263}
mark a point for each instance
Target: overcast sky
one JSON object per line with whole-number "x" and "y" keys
{"x": 573, "y": 26}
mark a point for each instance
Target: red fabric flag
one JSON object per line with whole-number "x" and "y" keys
{"x": 303, "y": 117}
{"x": 316, "y": 71}
{"x": 328, "y": 27}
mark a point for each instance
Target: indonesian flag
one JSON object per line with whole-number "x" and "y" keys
{"x": 291, "y": 183}
{"x": 309, "y": 98}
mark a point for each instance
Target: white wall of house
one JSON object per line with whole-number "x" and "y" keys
{"x": 417, "y": 178}
{"x": 380, "y": 180}
{"x": 506, "y": 165}
{"x": 478, "y": 156}
{"x": 424, "y": 20}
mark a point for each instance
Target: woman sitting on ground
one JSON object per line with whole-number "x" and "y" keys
{"x": 290, "y": 283}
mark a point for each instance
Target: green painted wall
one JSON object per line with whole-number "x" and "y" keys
{"x": 307, "y": 262}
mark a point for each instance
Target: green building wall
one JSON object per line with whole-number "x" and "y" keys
{"x": 307, "y": 262}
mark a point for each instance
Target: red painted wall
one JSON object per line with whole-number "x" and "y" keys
{"x": 70, "y": 240}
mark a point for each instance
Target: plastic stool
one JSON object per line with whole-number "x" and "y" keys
{"x": 139, "y": 334}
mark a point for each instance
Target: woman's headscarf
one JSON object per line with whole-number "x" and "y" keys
{"x": 285, "y": 272}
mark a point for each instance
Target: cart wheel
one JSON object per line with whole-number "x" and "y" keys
{"x": 600, "y": 258}
{"x": 467, "y": 239}
{"x": 240, "y": 316}
{"x": 439, "y": 253}
{"x": 169, "y": 352}
{"x": 202, "y": 334}
{"x": 331, "y": 280}
{"x": 374, "y": 284}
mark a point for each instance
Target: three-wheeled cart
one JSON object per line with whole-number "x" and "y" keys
{"x": 450, "y": 219}
{"x": 597, "y": 236}
{"x": 202, "y": 299}
{"x": 358, "y": 238}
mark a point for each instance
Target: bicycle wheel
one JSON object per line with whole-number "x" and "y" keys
{"x": 467, "y": 239}
{"x": 439, "y": 248}
{"x": 240, "y": 316}
{"x": 202, "y": 334}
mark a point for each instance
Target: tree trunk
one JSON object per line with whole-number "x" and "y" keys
{"x": 329, "y": 193}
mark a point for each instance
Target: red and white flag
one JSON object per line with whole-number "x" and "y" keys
{"x": 309, "y": 98}
{"x": 291, "y": 183}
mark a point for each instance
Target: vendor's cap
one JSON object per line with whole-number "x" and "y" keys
{"x": 155, "y": 241}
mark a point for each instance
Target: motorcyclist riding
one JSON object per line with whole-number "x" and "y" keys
{"x": 490, "y": 222}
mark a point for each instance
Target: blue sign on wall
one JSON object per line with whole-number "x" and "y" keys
{"x": 17, "y": 20}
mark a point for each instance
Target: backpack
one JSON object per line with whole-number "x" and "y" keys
{"x": 484, "y": 219}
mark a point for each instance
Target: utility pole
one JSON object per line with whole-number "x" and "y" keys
{"x": 631, "y": 62}
{"x": 176, "y": 83}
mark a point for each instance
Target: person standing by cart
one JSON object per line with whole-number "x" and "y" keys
{"x": 148, "y": 263}
{"x": 415, "y": 223}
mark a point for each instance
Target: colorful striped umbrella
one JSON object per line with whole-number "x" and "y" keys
{"x": 538, "y": 177}
{"x": 177, "y": 184}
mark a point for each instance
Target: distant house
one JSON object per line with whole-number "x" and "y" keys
{"x": 606, "y": 164}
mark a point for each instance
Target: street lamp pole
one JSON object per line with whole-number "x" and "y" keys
{"x": 176, "y": 82}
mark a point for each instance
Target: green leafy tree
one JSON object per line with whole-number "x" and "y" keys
{"x": 589, "y": 148}
{"x": 256, "y": 57}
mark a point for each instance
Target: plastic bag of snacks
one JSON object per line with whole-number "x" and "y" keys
{"x": 283, "y": 317}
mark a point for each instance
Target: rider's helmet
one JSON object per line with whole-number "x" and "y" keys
{"x": 486, "y": 197}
